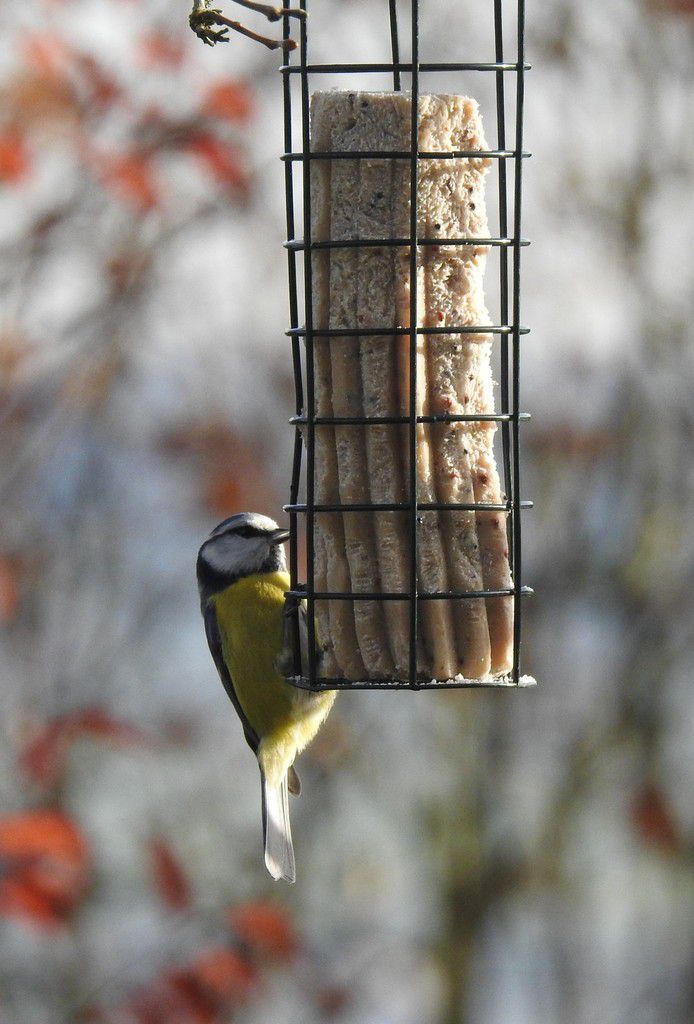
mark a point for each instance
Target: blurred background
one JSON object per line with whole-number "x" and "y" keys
{"x": 475, "y": 857}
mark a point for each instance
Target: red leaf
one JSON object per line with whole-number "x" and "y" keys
{"x": 91, "y": 1014}
{"x": 222, "y": 974}
{"x": 43, "y": 759}
{"x": 9, "y": 590}
{"x": 14, "y": 158}
{"x": 170, "y": 879}
{"x": 199, "y": 992}
{"x": 20, "y": 899}
{"x": 159, "y": 50}
{"x": 45, "y": 862}
{"x": 229, "y": 100}
{"x": 199, "y": 1005}
{"x": 653, "y": 819}
{"x": 97, "y": 722}
{"x": 221, "y": 160}
{"x": 265, "y": 928}
{"x": 131, "y": 178}
{"x": 571, "y": 442}
{"x": 164, "y": 1002}
{"x": 103, "y": 89}
{"x": 333, "y": 1000}
{"x": 233, "y": 469}
{"x": 675, "y": 6}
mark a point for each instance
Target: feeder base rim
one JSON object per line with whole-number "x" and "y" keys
{"x": 504, "y": 680}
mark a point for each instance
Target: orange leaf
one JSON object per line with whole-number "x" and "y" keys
{"x": 159, "y": 50}
{"x": 14, "y": 158}
{"x": 222, "y": 161}
{"x": 229, "y": 100}
{"x": 39, "y": 832}
{"x": 45, "y": 53}
{"x": 169, "y": 877}
{"x": 653, "y": 819}
{"x": 223, "y": 491}
{"x": 45, "y": 866}
{"x": 41, "y": 103}
{"x": 265, "y": 928}
{"x": 130, "y": 177}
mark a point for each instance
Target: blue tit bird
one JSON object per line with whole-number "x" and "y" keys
{"x": 242, "y": 579}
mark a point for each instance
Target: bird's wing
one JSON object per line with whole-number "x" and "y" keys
{"x": 293, "y": 780}
{"x": 214, "y": 641}
{"x": 284, "y": 663}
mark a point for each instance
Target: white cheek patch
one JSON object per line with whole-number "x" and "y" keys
{"x": 223, "y": 553}
{"x": 239, "y": 556}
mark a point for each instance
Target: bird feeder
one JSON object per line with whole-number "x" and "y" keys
{"x": 405, "y": 523}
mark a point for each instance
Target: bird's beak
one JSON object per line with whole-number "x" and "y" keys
{"x": 279, "y": 536}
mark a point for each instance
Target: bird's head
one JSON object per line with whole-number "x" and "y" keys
{"x": 242, "y": 545}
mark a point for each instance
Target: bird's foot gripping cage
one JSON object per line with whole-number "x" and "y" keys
{"x": 412, "y": 543}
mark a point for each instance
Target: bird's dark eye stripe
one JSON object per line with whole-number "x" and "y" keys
{"x": 248, "y": 531}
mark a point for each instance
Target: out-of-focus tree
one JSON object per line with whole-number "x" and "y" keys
{"x": 499, "y": 857}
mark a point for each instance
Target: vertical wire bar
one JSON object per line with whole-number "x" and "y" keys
{"x": 395, "y": 43}
{"x": 310, "y": 380}
{"x": 296, "y": 352}
{"x": 503, "y": 251}
{"x": 414, "y": 150}
{"x": 517, "y": 196}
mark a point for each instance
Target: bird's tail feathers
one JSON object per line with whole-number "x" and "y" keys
{"x": 277, "y": 833}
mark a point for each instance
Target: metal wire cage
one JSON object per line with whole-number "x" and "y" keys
{"x": 297, "y": 76}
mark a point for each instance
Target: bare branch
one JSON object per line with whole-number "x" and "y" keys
{"x": 203, "y": 17}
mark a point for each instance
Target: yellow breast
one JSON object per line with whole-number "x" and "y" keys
{"x": 250, "y": 618}
{"x": 250, "y": 614}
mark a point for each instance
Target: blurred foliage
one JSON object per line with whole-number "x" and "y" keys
{"x": 495, "y": 858}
